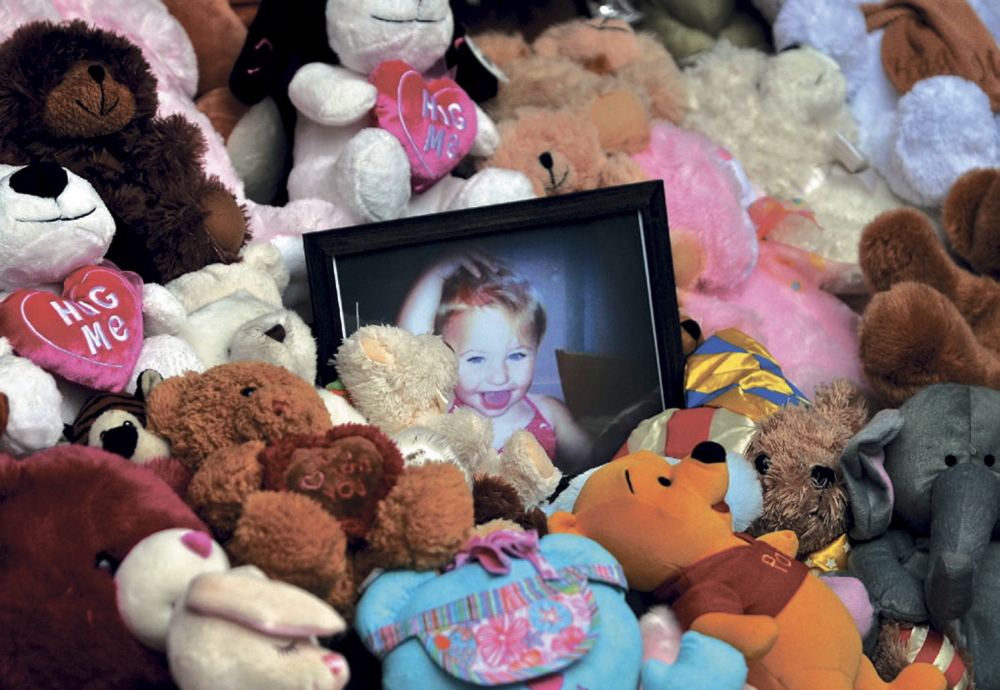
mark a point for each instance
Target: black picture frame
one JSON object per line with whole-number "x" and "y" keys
{"x": 611, "y": 245}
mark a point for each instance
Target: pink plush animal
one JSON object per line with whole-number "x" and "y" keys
{"x": 727, "y": 277}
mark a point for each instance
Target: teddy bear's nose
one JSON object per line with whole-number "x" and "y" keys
{"x": 546, "y": 160}
{"x": 823, "y": 477}
{"x": 46, "y": 180}
{"x": 709, "y": 452}
{"x": 96, "y": 73}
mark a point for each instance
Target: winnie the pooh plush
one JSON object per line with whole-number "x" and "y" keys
{"x": 671, "y": 530}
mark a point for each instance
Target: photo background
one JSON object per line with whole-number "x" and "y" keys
{"x": 591, "y": 278}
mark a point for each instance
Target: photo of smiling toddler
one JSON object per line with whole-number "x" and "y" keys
{"x": 493, "y": 319}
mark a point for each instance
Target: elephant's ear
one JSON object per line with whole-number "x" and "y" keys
{"x": 868, "y": 484}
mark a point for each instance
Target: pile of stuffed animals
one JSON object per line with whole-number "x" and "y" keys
{"x": 185, "y": 505}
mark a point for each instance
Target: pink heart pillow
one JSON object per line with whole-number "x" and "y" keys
{"x": 436, "y": 122}
{"x": 91, "y": 335}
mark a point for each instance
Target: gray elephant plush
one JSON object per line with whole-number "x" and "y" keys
{"x": 924, "y": 486}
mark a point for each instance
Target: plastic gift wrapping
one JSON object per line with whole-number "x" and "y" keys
{"x": 733, "y": 371}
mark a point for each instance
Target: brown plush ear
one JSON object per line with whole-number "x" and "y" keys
{"x": 163, "y": 403}
{"x": 502, "y": 47}
{"x": 971, "y": 217}
{"x": 900, "y": 245}
{"x": 844, "y": 402}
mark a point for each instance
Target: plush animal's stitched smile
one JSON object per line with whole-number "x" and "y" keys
{"x": 407, "y": 21}
{"x": 556, "y": 185}
{"x": 56, "y": 219}
{"x": 102, "y": 111}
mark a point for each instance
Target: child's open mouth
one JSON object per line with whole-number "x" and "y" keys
{"x": 495, "y": 400}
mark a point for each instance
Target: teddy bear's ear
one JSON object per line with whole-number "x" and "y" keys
{"x": 376, "y": 351}
{"x": 868, "y": 484}
{"x": 843, "y": 401}
{"x": 163, "y": 402}
{"x": 282, "y": 36}
{"x": 146, "y": 381}
{"x": 970, "y": 215}
{"x": 621, "y": 169}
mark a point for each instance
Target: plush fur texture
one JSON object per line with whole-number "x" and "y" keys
{"x": 172, "y": 218}
{"x": 922, "y": 141}
{"x": 68, "y": 516}
{"x": 688, "y": 27}
{"x": 930, "y": 320}
{"x": 728, "y": 278}
{"x": 321, "y": 511}
{"x": 496, "y": 499}
{"x": 797, "y": 450}
{"x": 780, "y": 116}
{"x": 560, "y": 151}
{"x": 232, "y": 404}
{"x": 572, "y": 62}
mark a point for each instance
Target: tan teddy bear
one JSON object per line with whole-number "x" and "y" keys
{"x": 561, "y": 151}
{"x": 403, "y": 383}
{"x": 309, "y": 503}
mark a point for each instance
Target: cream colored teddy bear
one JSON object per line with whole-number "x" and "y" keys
{"x": 403, "y": 384}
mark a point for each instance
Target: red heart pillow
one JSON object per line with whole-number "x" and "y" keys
{"x": 91, "y": 335}
{"x": 435, "y": 122}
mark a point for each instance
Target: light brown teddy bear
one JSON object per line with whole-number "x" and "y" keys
{"x": 402, "y": 383}
{"x": 571, "y": 62}
{"x": 796, "y": 451}
{"x": 929, "y": 319}
{"x": 560, "y": 151}
{"x": 315, "y": 505}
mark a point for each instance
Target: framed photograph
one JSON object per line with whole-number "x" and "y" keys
{"x": 600, "y": 338}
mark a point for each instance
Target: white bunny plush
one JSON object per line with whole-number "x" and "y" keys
{"x": 238, "y": 630}
{"x": 379, "y": 133}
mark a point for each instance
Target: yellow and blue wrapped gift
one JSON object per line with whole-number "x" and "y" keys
{"x": 731, "y": 370}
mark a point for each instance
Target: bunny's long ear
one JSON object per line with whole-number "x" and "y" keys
{"x": 868, "y": 484}
{"x": 246, "y": 596}
{"x": 284, "y": 35}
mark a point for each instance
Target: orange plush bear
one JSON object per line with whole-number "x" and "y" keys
{"x": 671, "y": 530}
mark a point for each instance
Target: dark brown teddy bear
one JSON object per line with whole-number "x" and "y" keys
{"x": 930, "y": 320}
{"x": 316, "y": 505}
{"x": 86, "y": 99}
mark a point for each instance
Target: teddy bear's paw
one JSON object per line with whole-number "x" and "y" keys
{"x": 900, "y": 245}
{"x": 912, "y": 336}
{"x": 34, "y": 421}
{"x": 225, "y": 223}
{"x": 525, "y": 464}
{"x": 970, "y": 215}
{"x": 291, "y": 538}
{"x": 372, "y": 176}
{"x": 944, "y": 128}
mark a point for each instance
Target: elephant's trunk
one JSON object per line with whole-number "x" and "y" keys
{"x": 965, "y": 506}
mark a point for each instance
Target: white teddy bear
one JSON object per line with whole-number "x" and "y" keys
{"x": 95, "y": 331}
{"x": 786, "y": 120}
{"x": 387, "y": 51}
{"x": 921, "y": 141}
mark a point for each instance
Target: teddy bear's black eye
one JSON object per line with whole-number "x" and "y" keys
{"x": 989, "y": 460}
{"x": 762, "y": 462}
{"x": 950, "y": 460}
{"x": 248, "y": 391}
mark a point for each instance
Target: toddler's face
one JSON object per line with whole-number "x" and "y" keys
{"x": 495, "y": 366}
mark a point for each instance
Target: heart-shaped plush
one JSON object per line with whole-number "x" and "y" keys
{"x": 435, "y": 122}
{"x": 91, "y": 335}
